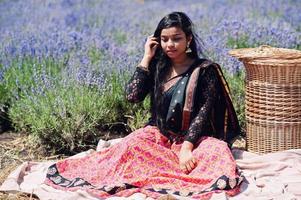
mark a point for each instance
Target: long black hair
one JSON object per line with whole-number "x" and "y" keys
{"x": 160, "y": 62}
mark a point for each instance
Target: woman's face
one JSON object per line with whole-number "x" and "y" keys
{"x": 174, "y": 42}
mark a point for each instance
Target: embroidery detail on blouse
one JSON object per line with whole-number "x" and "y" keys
{"x": 138, "y": 86}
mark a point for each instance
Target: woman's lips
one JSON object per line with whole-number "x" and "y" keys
{"x": 170, "y": 51}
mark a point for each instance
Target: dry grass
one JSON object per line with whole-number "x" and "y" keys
{"x": 13, "y": 152}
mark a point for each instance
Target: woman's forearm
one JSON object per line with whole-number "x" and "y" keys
{"x": 145, "y": 62}
{"x": 138, "y": 86}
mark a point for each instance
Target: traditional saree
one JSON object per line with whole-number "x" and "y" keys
{"x": 146, "y": 160}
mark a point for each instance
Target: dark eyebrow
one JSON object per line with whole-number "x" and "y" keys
{"x": 171, "y": 35}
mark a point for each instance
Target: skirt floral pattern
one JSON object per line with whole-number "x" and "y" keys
{"x": 146, "y": 162}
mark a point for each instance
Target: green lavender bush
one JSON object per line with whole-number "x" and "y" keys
{"x": 236, "y": 84}
{"x": 67, "y": 117}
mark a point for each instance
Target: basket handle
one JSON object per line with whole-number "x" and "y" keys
{"x": 263, "y": 47}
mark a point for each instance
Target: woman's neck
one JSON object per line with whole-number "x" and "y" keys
{"x": 178, "y": 67}
{"x": 182, "y": 62}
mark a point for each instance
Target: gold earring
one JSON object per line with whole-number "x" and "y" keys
{"x": 188, "y": 50}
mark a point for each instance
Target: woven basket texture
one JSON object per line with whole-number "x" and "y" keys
{"x": 273, "y": 98}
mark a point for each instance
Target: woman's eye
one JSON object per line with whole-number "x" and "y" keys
{"x": 172, "y": 39}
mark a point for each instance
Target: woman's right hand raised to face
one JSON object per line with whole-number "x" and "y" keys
{"x": 150, "y": 48}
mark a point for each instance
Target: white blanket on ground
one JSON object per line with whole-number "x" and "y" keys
{"x": 270, "y": 176}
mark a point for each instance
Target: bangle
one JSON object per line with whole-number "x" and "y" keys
{"x": 143, "y": 68}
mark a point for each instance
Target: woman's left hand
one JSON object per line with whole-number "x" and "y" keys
{"x": 186, "y": 159}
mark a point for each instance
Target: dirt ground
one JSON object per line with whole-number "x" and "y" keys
{"x": 13, "y": 152}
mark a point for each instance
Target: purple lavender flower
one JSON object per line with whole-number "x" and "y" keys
{"x": 70, "y": 29}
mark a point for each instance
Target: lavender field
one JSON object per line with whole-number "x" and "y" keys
{"x": 64, "y": 63}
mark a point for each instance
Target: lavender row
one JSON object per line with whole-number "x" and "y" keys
{"x": 118, "y": 28}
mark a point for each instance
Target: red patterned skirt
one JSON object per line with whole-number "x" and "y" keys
{"x": 146, "y": 162}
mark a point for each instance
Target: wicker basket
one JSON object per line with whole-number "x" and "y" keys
{"x": 273, "y": 98}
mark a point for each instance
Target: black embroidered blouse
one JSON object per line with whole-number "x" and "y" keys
{"x": 207, "y": 94}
